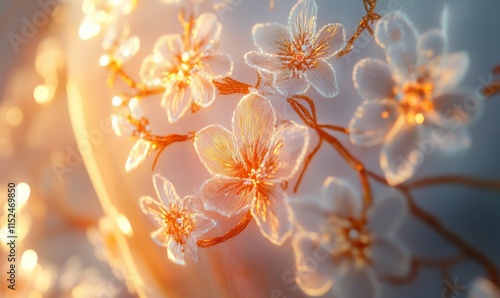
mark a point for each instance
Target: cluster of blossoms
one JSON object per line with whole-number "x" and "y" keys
{"x": 414, "y": 95}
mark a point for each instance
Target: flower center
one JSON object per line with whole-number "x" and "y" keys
{"x": 352, "y": 238}
{"x": 416, "y": 101}
{"x": 187, "y": 65}
{"x": 178, "y": 224}
{"x": 298, "y": 55}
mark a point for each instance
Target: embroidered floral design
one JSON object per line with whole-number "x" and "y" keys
{"x": 179, "y": 221}
{"x": 350, "y": 250}
{"x": 251, "y": 163}
{"x": 296, "y": 54}
{"x": 411, "y": 99}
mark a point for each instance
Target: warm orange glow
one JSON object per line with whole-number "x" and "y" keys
{"x": 124, "y": 225}
{"x": 104, "y": 60}
{"x": 14, "y": 116}
{"x": 419, "y": 118}
{"x": 41, "y": 94}
{"x": 116, "y": 101}
{"x": 385, "y": 114}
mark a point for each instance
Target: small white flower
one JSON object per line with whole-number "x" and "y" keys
{"x": 185, "y": 67}
{"x": 412, "y": 99}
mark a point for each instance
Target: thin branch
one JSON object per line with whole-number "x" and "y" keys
{"x": 456, "y": 179}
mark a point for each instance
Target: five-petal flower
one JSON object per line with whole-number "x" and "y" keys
{"x": 251, "y": 163}
{"x": 186, "y": 65}
{"x": 180, "y": 222}
{"x": 412, "y": 99}
{"x": 347, "y": 250}
{"x": 296, "y": 55}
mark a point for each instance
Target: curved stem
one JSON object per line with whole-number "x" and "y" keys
{"x": 307, "y": 161}
{"x": 230, "y": 234}
{"x": 466, "y": 248}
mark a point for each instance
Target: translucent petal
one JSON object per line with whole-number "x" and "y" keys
{"x": 356, "y": 282}
{"x": 397, "y": 35}
{"x": 338, "y": 197}
{"x": 373, "y": 79}
{"x": 400, "y": 156}
{"x": 206, "y": 31}
{"x": 175, "y": 252}
{"x": 315, "y": 268}
{"x": 203, "y": 90}
{"x": 202, "y": 225}
{"x": 253, "y": 126}
{"x": 270, "y": 37}
{"x": 135, "y": 108}
{"x": 272, "y": 214}
{"x": 430, "y": 45}
{"x": 165, "y": 191}
{"x": 151, "y": 207}
{"x": 449, "y": 140}
{"x": 288, "y": 84}
{"x": 168, "y": 45}
{"x": 456, "y": 108}
{"x": 121, "y": 126}
{"x": 160, "y": 236}
{"x": 330, "y": 40}
{"x": 176, "y": 100}
{"x": 218, "y": 64}
{"x": 390, "y": 257}
{"x": 372, "y": 121}
{"x": 263, "y": 62}
{"x": 215, "y": 147}
{"x": 322, "y": 78}
{"x": 289, "y": 146}
{"x": 308, "y": 214}
{"x": 483, "y": 288}
{"x": 388, "y": 213}
{"x": 228, "y": 196}
{"x": 137, "y": 155}
{"x": 302, "y": 19}
{"x": 110, "y": 38}
{"x": 395, "y": 29}
{"x": 127, "y": 49}
{"x": 448, "y": 71}
{"x": 191, "y": 248}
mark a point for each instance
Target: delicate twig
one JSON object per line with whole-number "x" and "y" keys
{"x": 230, "y": 234}
{"x": 368, "y": 19}
{"x": 307, "y": 161}
{"x": 456, "y": 179}
{"x": 335, "y": 128}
